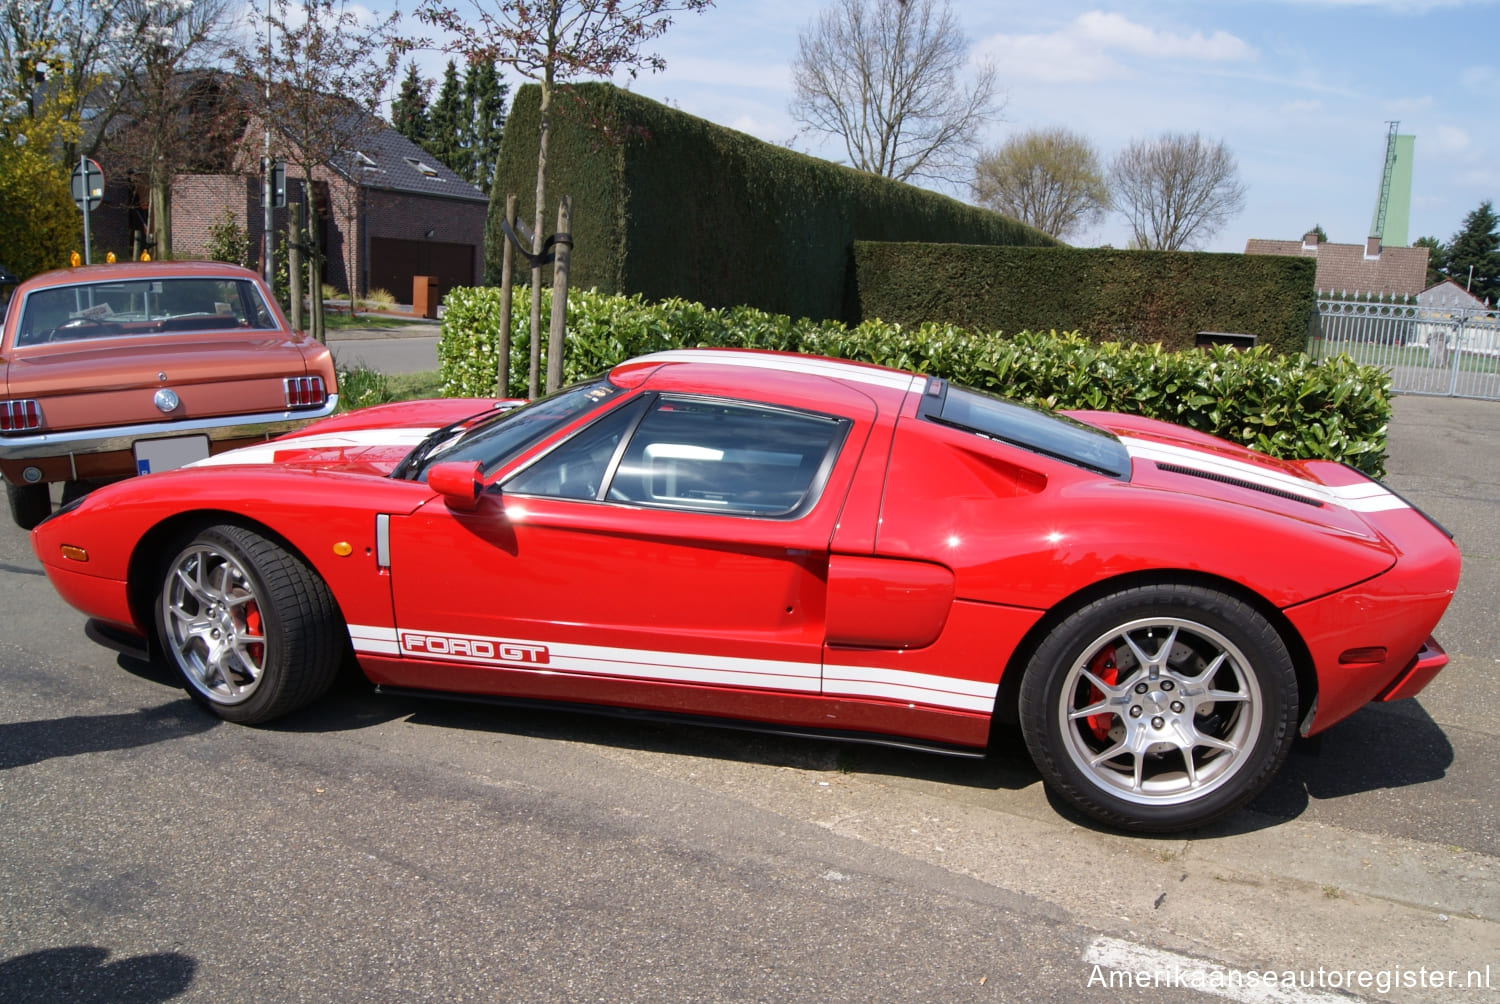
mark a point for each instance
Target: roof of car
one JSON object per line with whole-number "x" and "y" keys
{"x": 136, "y": 270}
{"x": 782, "y": 362}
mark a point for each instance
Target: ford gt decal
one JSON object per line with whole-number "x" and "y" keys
{"x": 680, "y": 667}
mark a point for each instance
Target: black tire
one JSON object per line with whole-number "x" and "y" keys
{"x": 29, "y": 504}
{"x": 1193, "y": 691}
{"x": 251, "y": 629}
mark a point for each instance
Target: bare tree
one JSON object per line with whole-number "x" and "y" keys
{"x": 327, "y": 74}
{"x": 159, "y": 97}
{"x": 554, "y": 42}
{"x": 1178, "y": 190}
{"x": 886, "y": 77}
{"x": 1049, "y": 178}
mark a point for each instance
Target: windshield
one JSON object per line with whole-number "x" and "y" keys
{"x": 141, "y": 307}
{"x": 1029, "y": 428}
{"x": 506, "y": 436}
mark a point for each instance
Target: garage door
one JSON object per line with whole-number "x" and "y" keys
{"x": 394, "y": 262}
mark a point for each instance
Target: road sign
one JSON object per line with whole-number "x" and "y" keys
{"x": 88, "y": 184}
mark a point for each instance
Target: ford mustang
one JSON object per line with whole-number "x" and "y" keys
{"x": 108, "y": 371}
{"x": 794, "y": 544}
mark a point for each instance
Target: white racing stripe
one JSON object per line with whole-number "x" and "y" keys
{"x": 1123, "y": 965}
{"x": 265, "y": 453}
{"x": 1364, "y": 497}
{"x": 791, "y": 364}
{"x": 679, "y": 667}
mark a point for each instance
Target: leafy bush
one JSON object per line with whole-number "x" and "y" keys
{"x": 229, "y": 242}
{"x": 1285, "y": 405}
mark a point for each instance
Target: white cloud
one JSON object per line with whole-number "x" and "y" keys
{"x": 1115, "y": 31}
{"x": 1451, "y": 139}
{"x": 1095, "y": 46}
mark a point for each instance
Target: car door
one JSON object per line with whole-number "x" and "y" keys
{"x": 671, "y": 554}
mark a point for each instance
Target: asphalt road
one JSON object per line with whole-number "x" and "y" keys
{"x": 392, "y": 850}
{"x": 411, "y": 348}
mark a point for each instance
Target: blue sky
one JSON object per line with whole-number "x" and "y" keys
{"x": 1300, "y": 90}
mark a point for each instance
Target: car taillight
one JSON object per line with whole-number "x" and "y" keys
{"x": 20, "y": 416}
{"x": 305, "y": 392}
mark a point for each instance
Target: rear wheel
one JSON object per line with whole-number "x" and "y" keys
{"x": 29, "y": 504}
{"x": 1160, "y": 708}
{"x": 252, "y": 629}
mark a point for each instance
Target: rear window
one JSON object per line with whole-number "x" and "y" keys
{"x": 141, "y": 307}
{"x": 1043, "y": 432}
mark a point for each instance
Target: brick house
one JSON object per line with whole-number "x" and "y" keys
{"x": 1366, "y": 268}
{"x": 386, "y": 211}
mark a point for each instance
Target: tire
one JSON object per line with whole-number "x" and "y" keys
{"x": 29, "y": 504}
{"x": 248, "y": 625}
{"x": 1160, "y": 708}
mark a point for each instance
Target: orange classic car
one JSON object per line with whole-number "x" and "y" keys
{"x": 110, "y": 371}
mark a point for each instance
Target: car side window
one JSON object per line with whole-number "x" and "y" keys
{"x": 577, "y": 469}
{"x": 716, "y": 456}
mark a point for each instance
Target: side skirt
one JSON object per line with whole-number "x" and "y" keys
{"x": 707, "y": 721}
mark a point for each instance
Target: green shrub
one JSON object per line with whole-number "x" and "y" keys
{"x": 668, "y": 204}
{"x": 1149, "y": 297}
{"x": 1286, "y": 405}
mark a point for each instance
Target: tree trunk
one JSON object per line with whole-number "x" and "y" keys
{"x": 555, "y": 333}
{"x": 507, "y": 280}
{"x": 160, "y": 210}
{"x": 544, "y": 133}
{"x": 294, "y": 264}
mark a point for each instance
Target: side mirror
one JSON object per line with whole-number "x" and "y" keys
{"x": 459, "y": 482}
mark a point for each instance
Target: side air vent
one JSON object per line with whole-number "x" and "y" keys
{"x": 1238, "y": 483}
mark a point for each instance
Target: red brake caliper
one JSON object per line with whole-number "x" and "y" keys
{"x": 252, "y": 626}
{"x": 1102, "y": 666}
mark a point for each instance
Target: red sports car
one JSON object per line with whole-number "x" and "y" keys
{"x": 791, "y": 544}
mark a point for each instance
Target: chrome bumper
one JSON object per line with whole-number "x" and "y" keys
{"x": 122, "y": 437}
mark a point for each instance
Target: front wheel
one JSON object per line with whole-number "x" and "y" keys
{"x": 1160, "y": 708}
{"x": 29, "y": 504}
{"x": 252, "y": 630}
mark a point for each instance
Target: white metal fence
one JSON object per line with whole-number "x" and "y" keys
{"x": 1451, "y": 352}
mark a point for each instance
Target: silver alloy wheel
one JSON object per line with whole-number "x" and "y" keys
{"x": 213, "y": 624}
{"x": 1160, "y": 711}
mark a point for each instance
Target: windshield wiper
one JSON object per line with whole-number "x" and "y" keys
{"x": 411, "y": 464}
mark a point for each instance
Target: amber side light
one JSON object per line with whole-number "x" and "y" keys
{"x": 74, "y": 553}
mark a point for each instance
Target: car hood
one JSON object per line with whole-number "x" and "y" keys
{"x": 369, "y": 441}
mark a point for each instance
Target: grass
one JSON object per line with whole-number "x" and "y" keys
{"x": 335, "y": 322}
{"x": 360, "y": 387}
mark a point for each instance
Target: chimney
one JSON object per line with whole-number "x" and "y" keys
{"x": 1310, "y": 241}
{"x": 1372, "y": 247}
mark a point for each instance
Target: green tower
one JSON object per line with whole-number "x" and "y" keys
{"x": 1393, "y": 203}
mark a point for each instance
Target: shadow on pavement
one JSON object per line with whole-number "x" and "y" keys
{"x": 84, "y": 973}
{"x": 24, "y": 743}
{"x": 1378, "y": 747}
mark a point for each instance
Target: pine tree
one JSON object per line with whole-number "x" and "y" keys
{"x": 1437, "y": 259}
{"x": 484, "y": 95}
{"x": 409, "y": 109}
{"x": 447, "y": 123}
{"x": 1476, "y": 246}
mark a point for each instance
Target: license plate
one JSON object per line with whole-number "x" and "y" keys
{"x": 165, "y": 454}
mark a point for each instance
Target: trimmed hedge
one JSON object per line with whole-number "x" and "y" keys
{"x": 1287, "y": 406}
{"x": 679, "y": 206}
{"x": 1163, "y": 297}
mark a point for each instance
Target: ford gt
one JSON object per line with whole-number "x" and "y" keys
{"x": 786, "y": 543}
